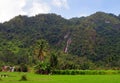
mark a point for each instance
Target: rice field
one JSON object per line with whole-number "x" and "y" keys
{"x": 14, "y": 77}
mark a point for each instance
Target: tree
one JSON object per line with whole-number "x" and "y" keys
{"x": 41, "y": 49}
{"x": 53, "y": 60}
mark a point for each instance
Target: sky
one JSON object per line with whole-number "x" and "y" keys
{"x": 66, "y": 8}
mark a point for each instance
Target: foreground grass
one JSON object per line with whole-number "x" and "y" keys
{"x": 35, "y": 78}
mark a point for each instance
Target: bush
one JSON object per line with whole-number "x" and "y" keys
{"x": 85, "y": 72}
{"x": 0, "y": 79}
{"x": 23, "y": 78}
{"x": 0, "y": 69}
{"x": 42, "y": 68}
{"x": 22, "y": 68}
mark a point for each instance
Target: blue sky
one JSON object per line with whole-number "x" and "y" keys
{"x": 65, "y": 8}
{"x": 86, "y": 7}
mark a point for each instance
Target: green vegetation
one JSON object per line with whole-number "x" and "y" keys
{"x": 0, "y": 79}
{"x": 84, "y": 43}
{"x": 23, "y": 78}
{"x": 86, "y": 72}
{"x": 42, "y": 68}
{"x": 36, "y": 78}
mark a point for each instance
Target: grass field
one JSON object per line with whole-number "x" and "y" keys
{"x": 35, "y": 78}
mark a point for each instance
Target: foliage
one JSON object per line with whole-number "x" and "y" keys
{"x": 22, "y": 68}
{"x": 53, "y": 61}
{"x": 42, "y": 68}
{"x": 85, "y": 72}
{"x": 0, "y": 79}
{"x": 23, "y": 78}
{"x": 41, "y": 49}
{"x": 90, "y": 42}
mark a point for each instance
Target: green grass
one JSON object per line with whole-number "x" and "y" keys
{"x": 35, "y": 78}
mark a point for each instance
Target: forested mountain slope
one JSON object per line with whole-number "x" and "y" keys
{"x": 80, "y": 41}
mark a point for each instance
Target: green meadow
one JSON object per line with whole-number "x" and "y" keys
{"x": 36, "y": 78}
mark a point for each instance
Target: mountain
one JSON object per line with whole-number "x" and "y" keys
{"x": 98, "y": 38}
{"x": 86, "y": 41}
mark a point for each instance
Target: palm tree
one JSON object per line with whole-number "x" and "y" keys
{"x": 40, "y": 49}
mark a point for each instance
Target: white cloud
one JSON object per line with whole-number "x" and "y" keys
{"x": 38, "y": 8}
{"x": 60, "y": 3}
{"x": 11, "y": 8}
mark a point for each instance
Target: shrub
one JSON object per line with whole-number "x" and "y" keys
{"x": 22, "y": 68}
{"x": 53, "y": 60}
{"x": 42, "y": 68}
{"x": 0, "y": 69}
{"x": 23, "y": 78}
{"x": 85, "y": 72}
{"x": 0, "y": 79}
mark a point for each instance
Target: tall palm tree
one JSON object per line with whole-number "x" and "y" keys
{"x": 41, "y": 46}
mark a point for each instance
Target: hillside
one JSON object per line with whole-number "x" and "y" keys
{"x": 86, "y": 42}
